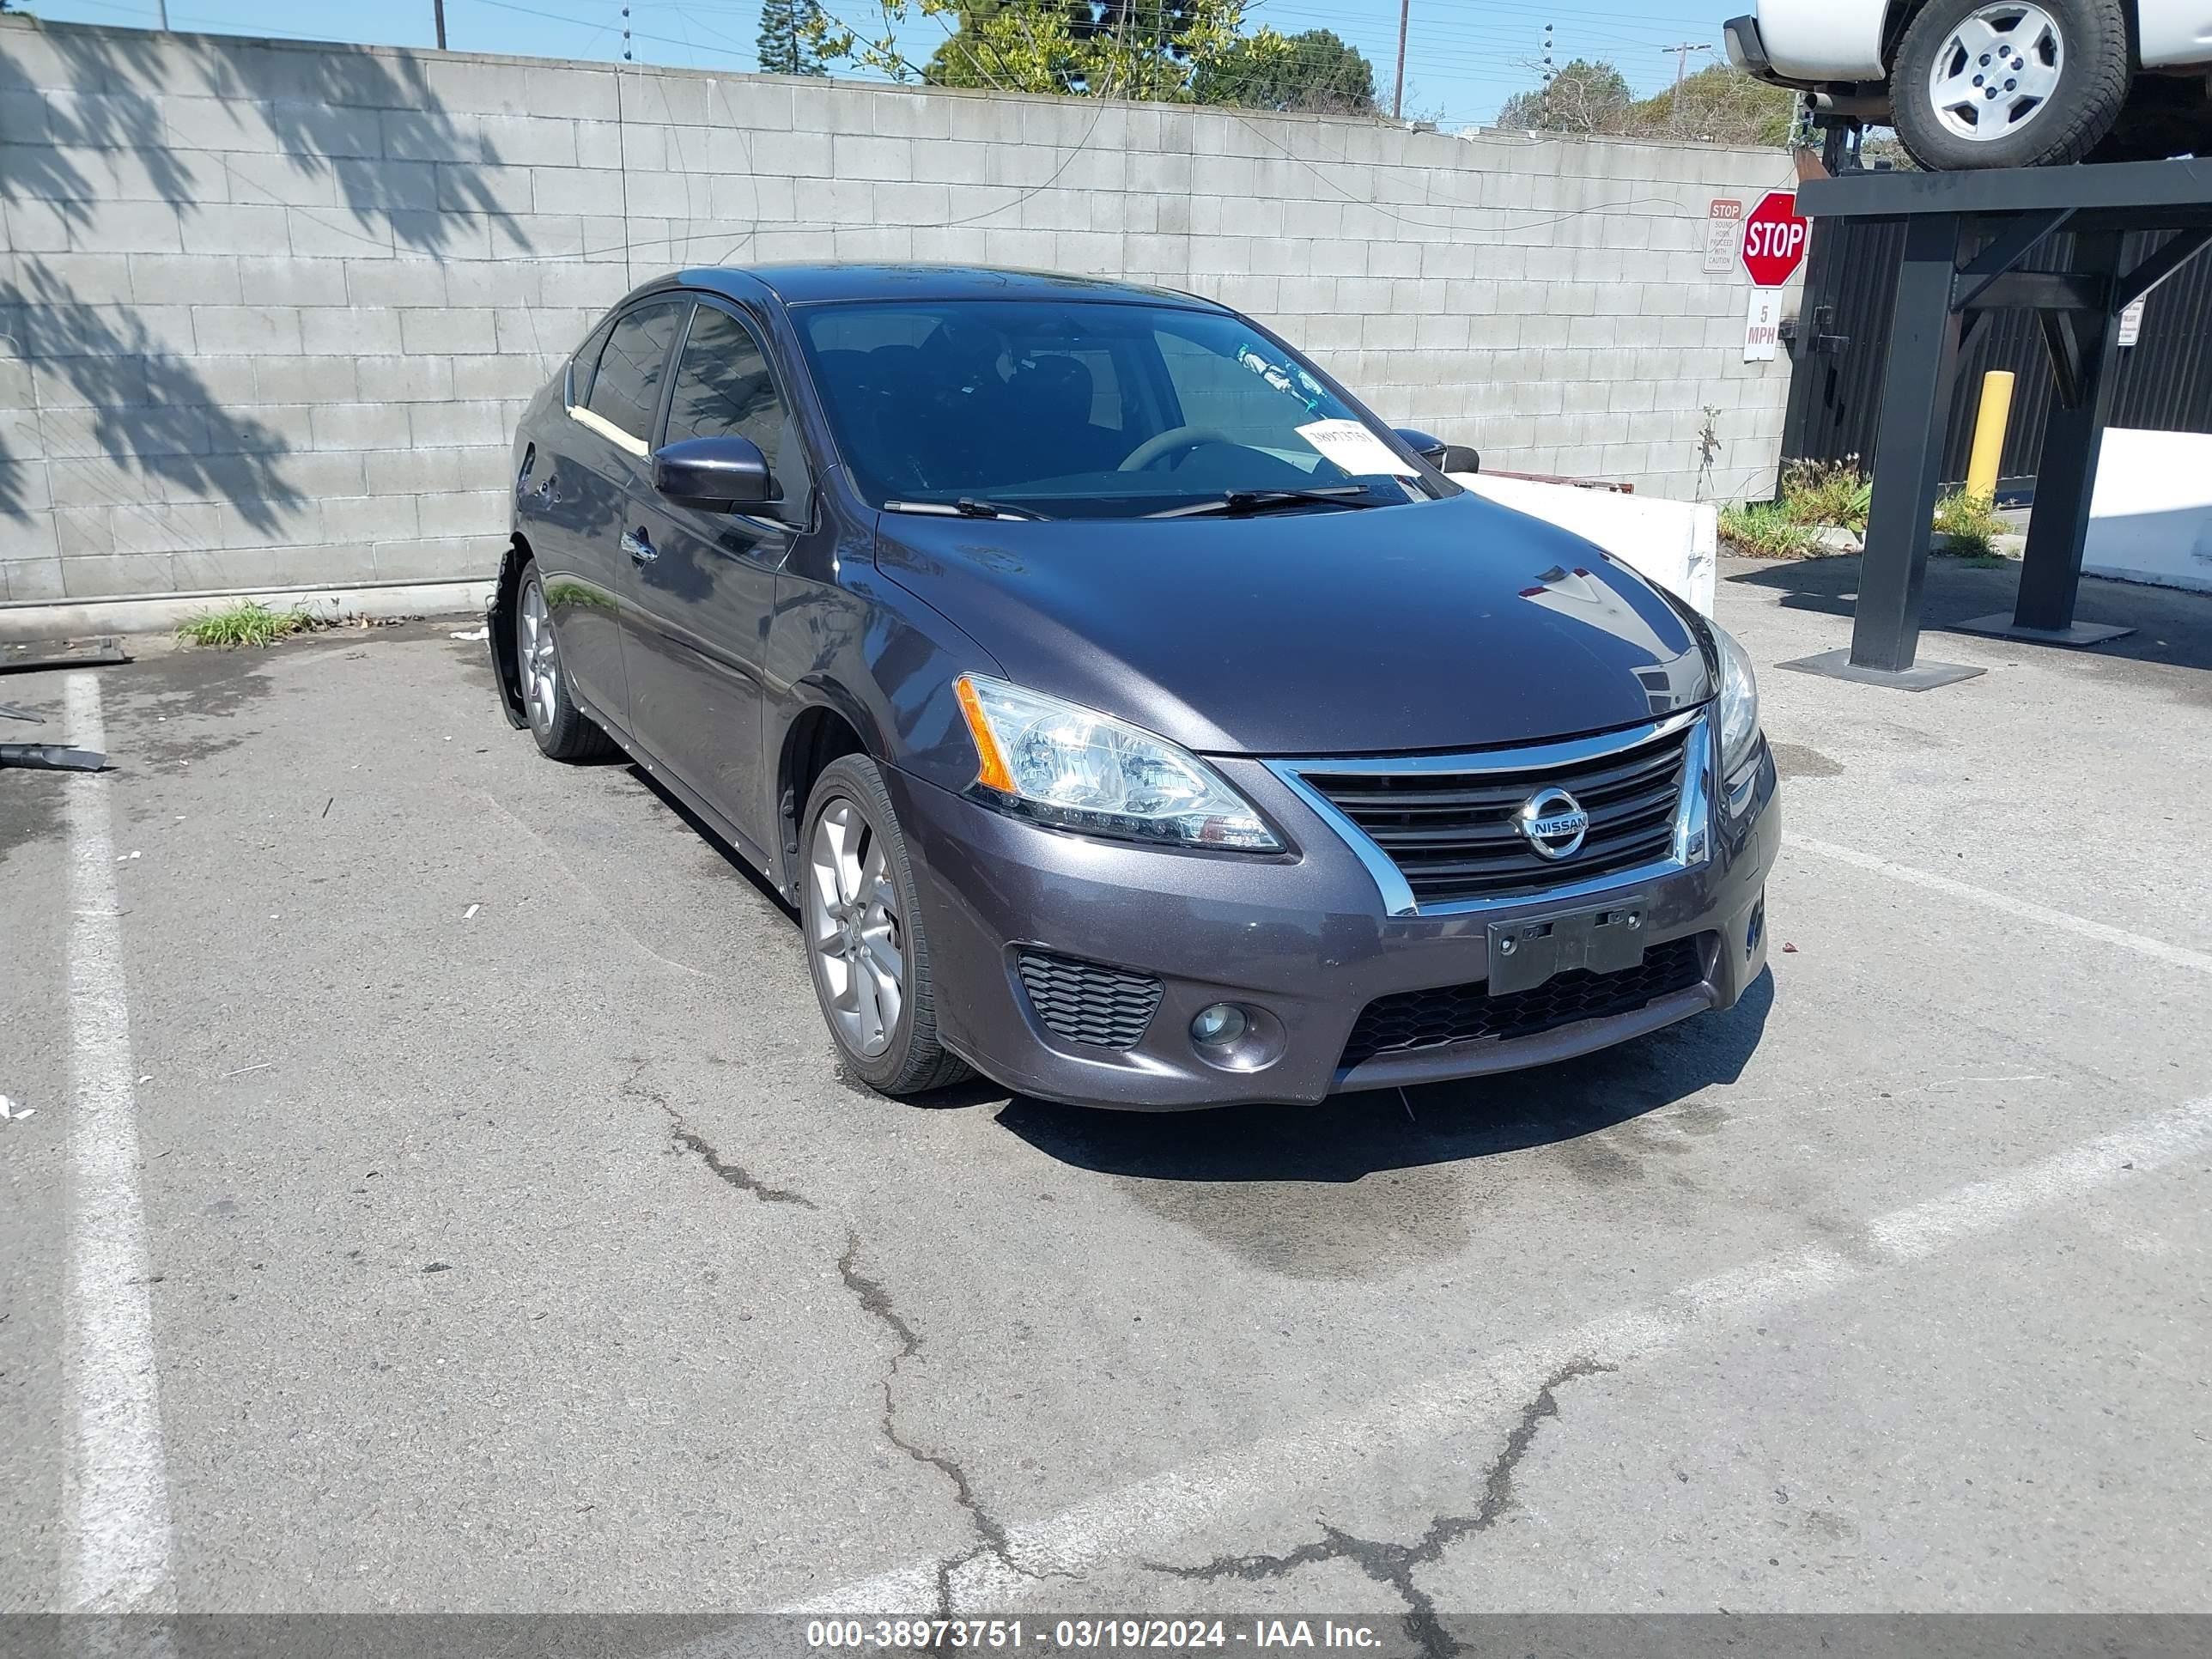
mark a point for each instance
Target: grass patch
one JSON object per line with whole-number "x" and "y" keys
{"x": 1971, "y": 522}
{"x": 1826, "y": 492}
{"x": 1765, "y": 530}
{"x": 249, "y": 621}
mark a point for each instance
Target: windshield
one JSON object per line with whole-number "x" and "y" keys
{"x": 1084, "y": 410}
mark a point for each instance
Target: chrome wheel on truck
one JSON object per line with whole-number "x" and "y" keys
{"x": 2009, "y": 83}
{"x": 1996, "y": 71}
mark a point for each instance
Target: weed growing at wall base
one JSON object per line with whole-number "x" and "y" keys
{"x": 1764, "y": 530}
{"x": 249, "y": 621}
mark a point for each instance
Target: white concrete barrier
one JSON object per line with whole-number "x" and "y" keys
{"x": 2150, "y": 520}
{"x": 1674, "y": 543}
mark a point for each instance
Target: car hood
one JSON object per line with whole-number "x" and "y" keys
{"x": 1446, "y": 625}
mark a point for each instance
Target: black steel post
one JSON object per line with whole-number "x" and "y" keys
{"x": 1915, "y": 409}
{"x": 2073, "y": 430}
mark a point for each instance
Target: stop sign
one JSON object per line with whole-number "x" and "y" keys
{"x": 1774, "y": 239}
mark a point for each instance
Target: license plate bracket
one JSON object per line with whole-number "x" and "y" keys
{"x": 1605, "y": 939}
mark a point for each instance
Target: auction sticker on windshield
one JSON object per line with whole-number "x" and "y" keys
{"x": 1355, "y": 449}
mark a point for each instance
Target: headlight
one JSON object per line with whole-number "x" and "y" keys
{"x": 1739, "y": 704}
{"x": 1061, "y": 764}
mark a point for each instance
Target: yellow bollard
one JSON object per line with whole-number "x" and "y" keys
{"x": 1989, "y": 424}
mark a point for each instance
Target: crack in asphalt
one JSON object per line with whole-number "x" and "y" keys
{"x": 1390, "y": 1564}
{"x": 688, "y": 1139}
{"x": 876, "y": 1302}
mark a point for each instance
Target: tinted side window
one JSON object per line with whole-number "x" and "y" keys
{"x": 723, "y": 388}
{"x": 585, "y": 362}
{"x": 627, "y": 389}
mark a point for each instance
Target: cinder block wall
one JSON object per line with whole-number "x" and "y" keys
{"x": 268, "y": 310}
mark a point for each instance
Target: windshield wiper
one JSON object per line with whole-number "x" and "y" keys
{"x": 966, "y": 507}
{"x": 1239, "y": 503}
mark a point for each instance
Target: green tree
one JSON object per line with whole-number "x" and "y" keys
{"x": 1583, "y": 97}
{"x": 1720, "y": 105}
{"x": 788, "y": 37}
{"x": 1140, "y": 49}
{"x": 1314, "y": 71}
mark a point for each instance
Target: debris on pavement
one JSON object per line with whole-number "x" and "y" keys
{"x": 473, "y": 634}
{"x": 8, "y": 711}
{"x": 257, "y": 1066}
{"x": 20, "y": 657}
{"x": 52, "y": 757}
{"x": 470, "y": 914}
{"x": 10, "y": 1115}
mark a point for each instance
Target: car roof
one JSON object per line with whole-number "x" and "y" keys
{"x": 812, "y": 284}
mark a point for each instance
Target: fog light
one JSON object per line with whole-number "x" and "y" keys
{"x": 1223, "y": 1023}
{"x": 1757, "y": 928}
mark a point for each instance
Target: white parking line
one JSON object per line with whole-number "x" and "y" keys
{"x": 1150, "y": 1515}
{"x": 119, "y": 1476}
{"x": 2179, "y": 955}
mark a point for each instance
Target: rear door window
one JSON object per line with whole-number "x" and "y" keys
{"x": 626, "y": 391}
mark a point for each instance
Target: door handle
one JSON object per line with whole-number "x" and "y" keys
{"x": 639, "y": 546}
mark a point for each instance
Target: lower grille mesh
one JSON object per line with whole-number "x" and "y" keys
{"x": 1088, "y": 1002}
{"x": 1412, "y": 1020}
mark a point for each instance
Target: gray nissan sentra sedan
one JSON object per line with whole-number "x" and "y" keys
{"x": 1130, "y": 714}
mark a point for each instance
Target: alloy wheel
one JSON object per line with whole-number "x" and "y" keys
{"x": 1998, "y": 69}
{"x": 536, "y": 658}
{"x": 853, "y": 926}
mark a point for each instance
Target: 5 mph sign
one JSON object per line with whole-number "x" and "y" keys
{"x": 1774, "y": 239}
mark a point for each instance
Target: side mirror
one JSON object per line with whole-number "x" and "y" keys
{"x": 715, "y": 474}
{"x": 1445, "y": 458}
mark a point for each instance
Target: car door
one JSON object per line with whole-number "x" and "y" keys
{"x": 701, "y": 585}
{"x": 610, "y": 421}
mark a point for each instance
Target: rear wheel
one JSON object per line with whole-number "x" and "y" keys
{"x": 866, "y": 947}
{"x": 2010, "y": 83}
{"x": 565, "y": 732}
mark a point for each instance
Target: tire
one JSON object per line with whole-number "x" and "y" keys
{"x": 857, "y": 896}
{"x": 2077, "y": 49}
{"x": 564, "y": 732}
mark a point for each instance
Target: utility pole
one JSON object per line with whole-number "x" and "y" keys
{"x": 437, "y": 6}
{"x": 1398, "y": 96}
{"x": 1681, "y": 57}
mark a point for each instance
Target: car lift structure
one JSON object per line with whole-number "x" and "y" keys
{"x": 1966, "y": 236}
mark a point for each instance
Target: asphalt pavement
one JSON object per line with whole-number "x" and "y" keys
{"x": 439, "y": 1194}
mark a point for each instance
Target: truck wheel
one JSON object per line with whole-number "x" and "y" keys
{"x": 2010, "y": 83}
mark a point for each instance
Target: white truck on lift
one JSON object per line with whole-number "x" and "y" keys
{"x": 1996, "y": 84}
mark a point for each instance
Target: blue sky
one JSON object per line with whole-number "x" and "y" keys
{"x": 1463, "y": 58}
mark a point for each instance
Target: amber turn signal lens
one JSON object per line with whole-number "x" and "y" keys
{"x": 991, "y": 771}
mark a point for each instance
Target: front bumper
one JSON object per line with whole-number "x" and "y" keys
{"x": 1303, "y": 938}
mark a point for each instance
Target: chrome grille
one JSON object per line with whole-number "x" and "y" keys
{"x": 1451, "y": 833}
{"x": 1087, "y": 1001}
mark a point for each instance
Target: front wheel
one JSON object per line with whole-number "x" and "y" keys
{"x": 2010, "y": 83}
{"x": 866, "y": 947}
